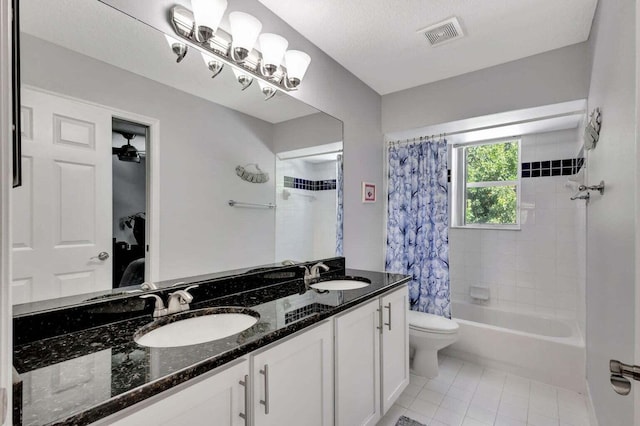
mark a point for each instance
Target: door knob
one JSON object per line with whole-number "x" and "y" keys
{"x": 103, "y": 255}
{"x": 620, "y": 375}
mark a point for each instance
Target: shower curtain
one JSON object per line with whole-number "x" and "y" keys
{"x": 339, "y": 204}
{"x": 417, "y": 223}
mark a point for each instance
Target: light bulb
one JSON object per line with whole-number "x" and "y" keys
{"x": 272, "y": 47}
{"x": 244, "y": 31}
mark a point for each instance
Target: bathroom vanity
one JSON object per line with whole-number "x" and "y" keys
{"x": 334, "y": 357}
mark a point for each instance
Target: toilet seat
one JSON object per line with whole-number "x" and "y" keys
{"x": 423, "y": 321}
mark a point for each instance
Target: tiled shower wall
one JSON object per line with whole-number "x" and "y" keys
{"x": 305, "y": 226}
{"x": 540, "y": 268}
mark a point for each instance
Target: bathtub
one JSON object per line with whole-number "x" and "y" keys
{"x": 545, "y": 349}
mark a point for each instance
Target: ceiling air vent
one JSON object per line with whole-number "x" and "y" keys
{"x": 443, "y": 32}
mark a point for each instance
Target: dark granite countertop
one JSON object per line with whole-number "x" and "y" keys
{"x": 80, "y": 377}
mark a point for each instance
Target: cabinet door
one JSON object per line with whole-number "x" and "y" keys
{"x": 219, "y": 400}
{"x": 357, "y": 373}
{"x": 395, "y": 346}
{"x": 293, "y": 381}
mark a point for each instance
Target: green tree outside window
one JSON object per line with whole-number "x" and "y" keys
{"x": 491, "y": 183}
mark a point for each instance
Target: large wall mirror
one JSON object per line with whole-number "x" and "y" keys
{"x": 130, "y": 160}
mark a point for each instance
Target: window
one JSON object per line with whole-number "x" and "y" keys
{"x": 486, "y": 185}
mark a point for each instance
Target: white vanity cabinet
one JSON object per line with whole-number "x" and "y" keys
{"x": 347, "y": 371}
{"x": 371, "y": 358}
{"x": 290, "y": 383}
{"x": 217, "y": 399}
{"x": 394, "y": 346}
{"x": 293, "y": 380}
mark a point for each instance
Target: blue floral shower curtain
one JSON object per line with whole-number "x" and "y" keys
{"x": 339, "y": 204}
{"x": 417, "y": 224}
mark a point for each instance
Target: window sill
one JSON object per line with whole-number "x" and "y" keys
{"x": 488, "y": 227}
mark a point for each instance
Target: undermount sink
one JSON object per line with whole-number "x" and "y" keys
{"x": 342, "y": 283}
{"x": 193, "y": 327}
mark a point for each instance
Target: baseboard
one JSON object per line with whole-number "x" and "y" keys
{"x": 593, "y": 420}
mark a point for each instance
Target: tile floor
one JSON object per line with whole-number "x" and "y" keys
{"x": 466, "y": 394}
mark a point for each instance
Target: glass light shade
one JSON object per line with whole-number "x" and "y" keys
{"x": 297, "y": 63}
{"x": 208, "y": 13}
{"x": 244, "y": 30}
{"x": 272, "y": 47}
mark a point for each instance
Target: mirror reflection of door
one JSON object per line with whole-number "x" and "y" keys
{"x": 308, "y": 193}
{"x": 61, "y": 216}
{"x": 129, "y": 166}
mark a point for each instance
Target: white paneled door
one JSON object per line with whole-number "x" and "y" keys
{"x": 62, "y": 213}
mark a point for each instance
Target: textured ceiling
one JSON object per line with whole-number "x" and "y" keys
{"x": 378, "y": 41}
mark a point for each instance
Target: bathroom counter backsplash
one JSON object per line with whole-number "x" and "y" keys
{"x": 83, "y": 376}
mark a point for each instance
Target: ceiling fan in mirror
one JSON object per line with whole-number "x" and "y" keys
{"x": 128, "y": 152}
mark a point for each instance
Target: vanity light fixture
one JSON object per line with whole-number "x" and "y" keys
{"x": 178, "y": 47}
{"x": 244, "y": 79}
{"x": 267, "y": 90}
{"x": 213, "y": 64}
{"x": 244, "y": 30}
{"x": 207, "y": 15}
{"x": 271, "y": 63}
{"x": 272, "y": 47}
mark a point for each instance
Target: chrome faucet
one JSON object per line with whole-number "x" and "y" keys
{"x": 159, "y": 310}
{"x": 315, "y": 269}
{"x": 312, "y": 273}
{"x": 178, "y": 302}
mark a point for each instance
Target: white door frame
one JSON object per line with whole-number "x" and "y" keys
{"x": 152, "y": 222}
{"x": 6, "y": 134}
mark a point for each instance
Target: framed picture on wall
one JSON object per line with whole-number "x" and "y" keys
{"x": 368, "y": 192}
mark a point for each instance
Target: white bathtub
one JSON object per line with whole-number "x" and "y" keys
{"x": 544, "y": 349}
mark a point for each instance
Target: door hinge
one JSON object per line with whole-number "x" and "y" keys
{"x": 620, "y": 375}
{"x": 3, "y": 405}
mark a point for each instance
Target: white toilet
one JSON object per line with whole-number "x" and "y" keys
{"x": 428, "y": 334}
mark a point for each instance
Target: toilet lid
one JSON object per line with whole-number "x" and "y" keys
{"x": 430, "y": 322}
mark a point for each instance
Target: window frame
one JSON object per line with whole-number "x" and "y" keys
{"x": 459, "y": 185}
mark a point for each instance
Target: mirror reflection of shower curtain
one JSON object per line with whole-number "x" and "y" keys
{"x": 339, "y": 204}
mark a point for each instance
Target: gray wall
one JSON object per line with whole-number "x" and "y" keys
{"x": 334, "y": 90}
{"x": 551, "y": 77}
{"x": 611, "y": 228}
{"x": 199, "y": 150}
{"x": 304, "y": 132}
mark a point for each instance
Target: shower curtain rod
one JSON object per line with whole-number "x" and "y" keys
{"x": 477, "y": 129}
{"x": 338, "y": 151}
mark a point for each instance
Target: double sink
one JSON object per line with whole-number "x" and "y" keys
{"x": 209, "y": 324}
